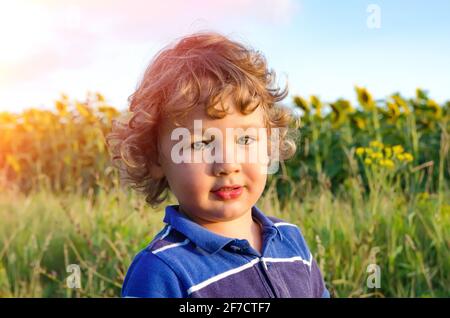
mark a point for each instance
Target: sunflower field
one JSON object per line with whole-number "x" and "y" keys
{"x": 369, "y": 184}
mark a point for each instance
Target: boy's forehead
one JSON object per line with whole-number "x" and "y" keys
{"x": 184, "y": 120}
{"x": 233, "y": 119}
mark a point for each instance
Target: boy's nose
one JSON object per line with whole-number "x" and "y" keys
{"x": 228, "y": 163}
{"x": 224, "y": 169}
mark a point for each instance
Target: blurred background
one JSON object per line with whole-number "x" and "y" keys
{"x": 369, "y": 184}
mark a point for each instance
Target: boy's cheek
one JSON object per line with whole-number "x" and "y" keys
{"x": 187, "y": 173}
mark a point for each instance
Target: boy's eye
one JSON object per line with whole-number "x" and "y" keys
{"x": 246, "y": 140}
{"x": 199, "y": 145}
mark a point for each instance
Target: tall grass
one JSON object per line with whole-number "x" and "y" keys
{"x": 42, "y": 233}
{"x": 358, "y": 199}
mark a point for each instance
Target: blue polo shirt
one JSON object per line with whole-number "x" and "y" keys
{"x": 187, "y": 260}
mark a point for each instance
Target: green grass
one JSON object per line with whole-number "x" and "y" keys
{"x": 351, "y": 213}
{"x": 41, "y": 233}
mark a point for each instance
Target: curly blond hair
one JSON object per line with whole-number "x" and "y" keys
{"x": 196, "y": 71}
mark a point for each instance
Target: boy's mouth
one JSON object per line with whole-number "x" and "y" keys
{"x": 226, "y": 188}
{"x": 228, "y": 192}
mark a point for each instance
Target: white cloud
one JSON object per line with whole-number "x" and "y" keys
{"x": 48, "y": 37}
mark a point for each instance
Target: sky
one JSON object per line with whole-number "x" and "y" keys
{"x": 320, "y": 47}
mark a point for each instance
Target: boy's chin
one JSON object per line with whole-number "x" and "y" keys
{"x": 229, "y": 211}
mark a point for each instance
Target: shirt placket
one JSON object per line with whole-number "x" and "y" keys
{"x": 263, "y": 268}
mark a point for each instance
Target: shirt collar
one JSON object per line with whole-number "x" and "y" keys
{"x": 205, "y": 239}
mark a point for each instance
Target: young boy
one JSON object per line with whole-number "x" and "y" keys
{"x": 218, "y": 96}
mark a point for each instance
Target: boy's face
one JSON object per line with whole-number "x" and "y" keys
{"x": 195, "y": 182}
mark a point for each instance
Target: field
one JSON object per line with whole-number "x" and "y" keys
{"x": 369, "y": 185}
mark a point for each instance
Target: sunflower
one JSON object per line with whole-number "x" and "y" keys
{"x": 364, "y": 98}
